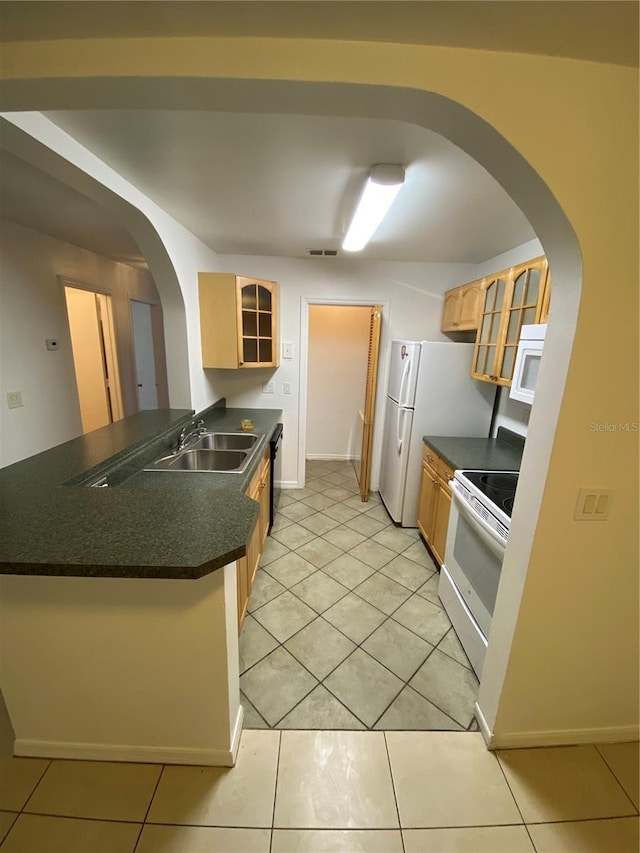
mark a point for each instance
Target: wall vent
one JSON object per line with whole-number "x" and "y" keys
{"x": 327, "y": 253}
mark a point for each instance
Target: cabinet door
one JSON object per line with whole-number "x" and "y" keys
{"x": 257, "y": 323}
{"x": 264, "y": 498}
{"x": 487, "y": 357}
{"x": 441, "y": 520}
{"x": 427, "y": 502}
{"x": 525, "y": 306}
{"x": 469, "y": 306}
{"x": 451, "y": 310}
{"x": 253, "y": 556}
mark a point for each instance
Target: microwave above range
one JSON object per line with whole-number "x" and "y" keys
{"x": 527, "y": 366}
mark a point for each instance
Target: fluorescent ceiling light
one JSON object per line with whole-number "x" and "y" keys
{"x": 383, "y": 185}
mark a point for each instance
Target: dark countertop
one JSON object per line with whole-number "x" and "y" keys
{"x": 157, "y": 524}
{"x": 503, "y": 453}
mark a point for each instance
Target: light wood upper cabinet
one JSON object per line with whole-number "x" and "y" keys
{"x": 461, "y": 308}
{"x": 546, "y": 300}
{"x": 511, "y": 298}
{"x": 238, "y": 321}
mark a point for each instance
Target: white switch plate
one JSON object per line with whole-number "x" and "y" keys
{"x": 14, "y": 399}
{"x": 593, "y": 505}
{"x": 269, "y": 388}
{"x": 287, "y": 387}
{"x": 287, "y": 350}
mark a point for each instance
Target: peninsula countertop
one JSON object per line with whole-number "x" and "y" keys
{"x": 157, "y": 524}
{"x": 503, "y": 453}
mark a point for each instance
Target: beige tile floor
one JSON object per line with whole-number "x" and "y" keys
{"x": 343, "y": 791}
{"x": 345, "y": 628}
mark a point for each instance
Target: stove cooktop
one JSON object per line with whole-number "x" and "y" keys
{"x": 498, "y": 486}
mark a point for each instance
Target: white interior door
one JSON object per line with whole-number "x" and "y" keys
{"x": 144, "y": 355}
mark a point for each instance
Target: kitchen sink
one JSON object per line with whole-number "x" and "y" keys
{"x": 213, "y": 452}
{"x": 226, "y": 441}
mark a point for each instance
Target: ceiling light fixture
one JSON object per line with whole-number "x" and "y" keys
{"x": 382, "y": 186}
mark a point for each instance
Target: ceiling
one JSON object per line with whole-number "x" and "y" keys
{"x": 284, "y": 184}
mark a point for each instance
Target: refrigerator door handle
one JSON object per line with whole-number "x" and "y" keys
{"x": 405, "y": 374}
{"x": 399, "y": 429}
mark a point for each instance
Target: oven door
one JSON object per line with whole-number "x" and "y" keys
{"x": 473, "y": 557}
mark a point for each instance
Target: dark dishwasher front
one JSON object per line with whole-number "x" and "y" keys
{"x": 275, "y": 443}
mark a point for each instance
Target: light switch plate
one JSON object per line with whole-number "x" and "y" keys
{"x": 14, "y": 399}
{"x": 287, "y": 350}
{"x": 269, "y": 387}
{"x": 593, "y": 505}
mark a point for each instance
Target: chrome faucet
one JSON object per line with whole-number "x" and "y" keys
{"x": 187, "y": 435}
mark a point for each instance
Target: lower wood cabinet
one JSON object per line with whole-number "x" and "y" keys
{"x": 435, "y": 501}
{"x": 258, "y": 490}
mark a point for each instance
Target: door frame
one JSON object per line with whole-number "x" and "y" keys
{"x": 110, "y": 341}
{"x": 305, "y": 304}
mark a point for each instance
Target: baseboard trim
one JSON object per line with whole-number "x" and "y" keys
{"x": 25, "y": 748}
{"x": 557, "y": 737}
{"x": 328, "y": 457}
{"x": 483, "y": 725}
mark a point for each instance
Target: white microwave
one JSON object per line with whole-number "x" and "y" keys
{"x": 525, "y": 372}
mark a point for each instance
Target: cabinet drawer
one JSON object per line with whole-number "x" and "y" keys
{"x": 441, "y": 468}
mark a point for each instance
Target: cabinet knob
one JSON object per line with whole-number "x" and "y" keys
{"x": 429, "y": 458}
{"x": 434, "y": 481}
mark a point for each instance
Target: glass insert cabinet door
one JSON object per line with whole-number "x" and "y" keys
{"x": 238, "y": 321}
{"x": 257, "y": 320}
{"x": 511, "y": 298}
{"x": 488, "y": 351}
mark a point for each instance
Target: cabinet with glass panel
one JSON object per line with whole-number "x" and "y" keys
{"x": 511, "y": 298}
{"x": 238, "y": 321}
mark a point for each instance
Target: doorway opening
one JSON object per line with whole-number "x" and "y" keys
{"x": 339, "y": 369}
{"x": 95, "y": 357}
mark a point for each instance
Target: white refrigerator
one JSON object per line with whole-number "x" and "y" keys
{"x": 430, "y": 392}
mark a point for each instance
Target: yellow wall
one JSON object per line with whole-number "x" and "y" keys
{"x": 574, "y": 661}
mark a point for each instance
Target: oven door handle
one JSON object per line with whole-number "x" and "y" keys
{"x": 489, "y": 536}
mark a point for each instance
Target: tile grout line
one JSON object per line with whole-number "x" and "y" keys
{"x": 393, "y": 788}
{"x": 151, "y": 799}
{"x": 35, "y": 787}
{"x": 275, "y": 791}
{"x": 504, "y": 775}
{"x": 613, "y": 773}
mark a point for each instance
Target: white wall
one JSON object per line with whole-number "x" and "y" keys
{"x": 336, "y": 378}
{"x": 411, "y": 295}
{"x": 33, "y": 309}
{"x": 175, "y": 255}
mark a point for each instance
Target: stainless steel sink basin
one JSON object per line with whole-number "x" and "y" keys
{"x": 209, "y": 460}
{"x": 226, "y": 440}
{"x": 213, "y": 452}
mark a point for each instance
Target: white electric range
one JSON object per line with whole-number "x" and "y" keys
{"x": 476, "y": 540}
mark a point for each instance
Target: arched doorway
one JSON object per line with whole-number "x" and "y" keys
{"x": 485, "y": 144}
